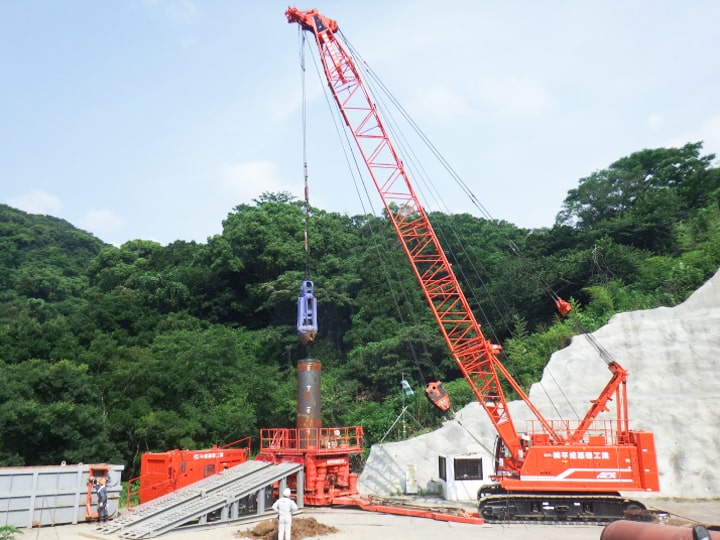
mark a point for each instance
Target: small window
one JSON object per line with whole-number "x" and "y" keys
{"x": 468, "y": 469}
{"x": 442, "y": 468}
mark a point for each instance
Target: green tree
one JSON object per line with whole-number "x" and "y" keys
{"x": 50, "y": 412}
{"x": 8, "y": 532}
{"x": 639, "y": 197}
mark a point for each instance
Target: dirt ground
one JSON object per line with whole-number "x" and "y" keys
{"x": 346, "y": 523}
{"x": 302, "y": 527}
{"x": 667, "y": 512}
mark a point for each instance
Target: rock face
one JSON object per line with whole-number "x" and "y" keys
{"x": 673, "y": 359}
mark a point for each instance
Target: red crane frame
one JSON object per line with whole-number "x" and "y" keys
{"x": 626, "y": 463}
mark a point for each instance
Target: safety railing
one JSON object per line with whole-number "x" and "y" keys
{"x": 322, "y": 440}
{"x": 600, "y": 432}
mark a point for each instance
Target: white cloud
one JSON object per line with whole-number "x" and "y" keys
{"x": 101, "y": 221}
{"x": 103, "y": 224}
{"x": 247, "y": 181}
{"x": 655, "y": 121}
{"x": 440, "y": 102}
{"x": 179, "y": 11}
{"x": 517, "y": 96}
{"x": 37, "y": 201}
{"x": 708, "y": 132}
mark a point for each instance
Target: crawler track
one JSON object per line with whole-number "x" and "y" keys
{"x": 557, "y": 508}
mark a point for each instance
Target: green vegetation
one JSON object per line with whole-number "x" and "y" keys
{"x": 107, "y": 352}
{"x": 8, "y": 532}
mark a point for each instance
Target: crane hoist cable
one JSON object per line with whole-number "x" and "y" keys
{"x": 380, "y": 244}
{"x": 414, "y": 163}
{"x": 380, "y": 91}
{"x": 305, "y": 161}
{"x": 307, "y": 325}
{"x": 562, "y": 306}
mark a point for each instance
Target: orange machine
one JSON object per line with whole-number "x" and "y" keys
{"x": 325, "y": 453}
{"x": 558, "y": 470}
{"x": 164, "y": 472}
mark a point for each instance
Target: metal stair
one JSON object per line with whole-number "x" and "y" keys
{"x": 213, "y": 501}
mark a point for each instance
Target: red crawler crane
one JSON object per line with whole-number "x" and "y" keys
{"x": 562, "y": 469}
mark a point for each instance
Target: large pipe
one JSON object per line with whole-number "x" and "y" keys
{"x": 635, "y": 530}
{"x": 308, "y": 402}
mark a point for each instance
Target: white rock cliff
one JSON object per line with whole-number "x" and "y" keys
{"x": 673, "y": 359}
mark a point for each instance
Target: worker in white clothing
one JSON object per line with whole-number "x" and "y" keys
{"x": 284, "y": 507}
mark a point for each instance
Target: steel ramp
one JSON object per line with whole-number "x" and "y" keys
{"x": 213, "y": 503}
{"x": 181, "y": 496}
{"x": 211, "y": 508}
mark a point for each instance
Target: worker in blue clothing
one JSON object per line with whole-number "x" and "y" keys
{"x": 101, "y": 491}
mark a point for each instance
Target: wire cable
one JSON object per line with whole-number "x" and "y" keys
{"x": 514, "y": 248}
{"x": 304, "y": 156}
{"x": 380, "y": 247}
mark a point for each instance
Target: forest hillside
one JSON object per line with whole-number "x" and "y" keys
{"x": 107, "y": 352}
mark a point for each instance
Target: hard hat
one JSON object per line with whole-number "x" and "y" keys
{"x": 286, "y": 492}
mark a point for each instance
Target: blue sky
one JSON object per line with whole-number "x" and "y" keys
{"x": 153, "y": 119}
